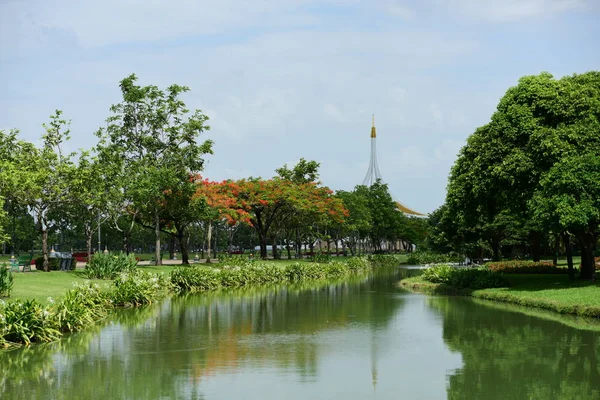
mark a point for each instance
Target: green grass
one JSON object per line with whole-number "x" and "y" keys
{"x": 40, "y": 285}
{"x": 550, "y": 292}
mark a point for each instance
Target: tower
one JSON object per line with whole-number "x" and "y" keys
{"x": 373, "y": 172}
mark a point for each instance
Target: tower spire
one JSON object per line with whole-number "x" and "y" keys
{"x": 373, "y": 130}
{"x": 373, "y": 173}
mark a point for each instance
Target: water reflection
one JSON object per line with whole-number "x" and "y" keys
{"x": 363, "y": 339}
{"x": 511, "y": 355}
{"x": 192, "y": 345}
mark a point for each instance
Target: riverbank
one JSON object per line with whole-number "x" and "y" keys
{"x": 27, "y": 320}
{"x": 550, "y": 292}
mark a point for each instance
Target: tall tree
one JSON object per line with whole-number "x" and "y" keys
{"x": 43, "y": 177}
{"x": 156, "y": 139}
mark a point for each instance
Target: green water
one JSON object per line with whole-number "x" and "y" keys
{"x": 358, "y": 340}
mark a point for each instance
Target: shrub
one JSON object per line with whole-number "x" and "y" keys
{"x": 358, "y": 264}
{"x": 438, "y": 274}
{"x": 321, "y": 258}
{"x": 384, "y": 260}
{"x": 137, "y": 288}
{"x": 82, "y": 306}
{"x": 426, "y": 257}
{"x": 6, "y": 281}
{"x": 107, "y": 266}
{"x": 465, "y": 278}
{"x": 195, "y": 279}
{"x": 26, "y": 322}
{"x": 526, "y": 267}
{"x": 234, "y": 259}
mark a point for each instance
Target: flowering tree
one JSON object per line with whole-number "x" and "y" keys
{"x": 260, "y": 203}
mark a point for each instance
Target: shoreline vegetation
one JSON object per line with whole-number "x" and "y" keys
{"x": 553, "y": 292}
{"x": 23, "y": 322}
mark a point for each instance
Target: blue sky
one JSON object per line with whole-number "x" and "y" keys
{"x": 285, "y": 79}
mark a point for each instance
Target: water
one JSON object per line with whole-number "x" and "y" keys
{"x": 357, "y": 340}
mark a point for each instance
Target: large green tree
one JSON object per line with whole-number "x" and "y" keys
{"x": 537, "y": 124}
{"x": 155, "y": 138}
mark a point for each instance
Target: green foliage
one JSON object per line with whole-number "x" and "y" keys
{"x": 199, "y": 279}
{"x": 235, "y": 259}
{"x": 384, "y": 260}
{"x": 138, "y": 288}
{"x": 526, "y": 267}
{"x": 26, "y": 322}
{"x": 358, "y": 264}
{"x": 321, "y": 257}
{"x": 426, "y": 257}
{"x": 6, "y": 280}
{"x": 533, "y": 169}
{"x": 80, "y": 307}
{"x": 107, "y": 266}
{"x": 464, "y": 278}
{"x": 195, "y": 279}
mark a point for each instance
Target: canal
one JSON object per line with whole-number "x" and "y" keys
{"x": 363, "y": 339}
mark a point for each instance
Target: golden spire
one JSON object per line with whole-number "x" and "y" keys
{"x": 373, "y": 130}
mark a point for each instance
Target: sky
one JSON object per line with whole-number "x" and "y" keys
{"x": 282, "y": 80}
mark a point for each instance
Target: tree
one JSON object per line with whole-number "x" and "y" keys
{"x": 260, "y": 203}
{"x": 359, "y": 219}
{"x": 155, "y": 139}
{"x": 537, "y": 123}
{"x": 42, "y": 177}
{"x": 569, "y": 198}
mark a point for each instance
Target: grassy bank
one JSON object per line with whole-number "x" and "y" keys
{"x": 39, "y": 285}
{"x": 551, "y": 292}
{"x": 29, "y": 316}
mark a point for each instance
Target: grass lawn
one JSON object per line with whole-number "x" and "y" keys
{"x": 41, "y": 285}
{"x": 551, "y": 292}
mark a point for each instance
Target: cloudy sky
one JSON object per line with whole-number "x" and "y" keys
{"x": 285, "y": 79}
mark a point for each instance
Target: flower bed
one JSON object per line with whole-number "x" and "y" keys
{"x": 526, "y": 267}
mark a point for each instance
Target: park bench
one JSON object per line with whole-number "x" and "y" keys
{"x": 21, "y": 261}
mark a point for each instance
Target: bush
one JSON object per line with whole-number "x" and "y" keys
{"x": 6, "y": 281}
{"x": 107, "y": 266}
{"x": 80, "y": 307}
{"x": 198, "y": 279}
{"x": 321, "y": 258}
{"x": 26, "y": 322}
{"x": 384, "y": 260}
{"x": 137, "y": 288}
{"x": 426, "y": 257}
{"x": 358, "y": 264}
{"x": 464, "y": 278}
{"x": 526, "y": 267}
{"x": 234, "y": 259}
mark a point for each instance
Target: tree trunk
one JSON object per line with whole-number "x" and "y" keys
{"x": 262, "y": 239}
{"x": 536, "y": 246}
{"x": 588, "y": 268}
{"x": 89, "y": 233}
{"x": 555, "y": 250}
{"x": 275, "y": 250}
{"x": 157, "y": 235}
{"x": 183, "y": 246}
{"x": 495, "y": 250}
{"x": 46, "y": 264}
{"x": 171, "y": 247}
{"x": 208, "y": 239}
{"x": 126, "y": 245}
{"x": 288, "y": 249}
{"x": 569, "y": 251}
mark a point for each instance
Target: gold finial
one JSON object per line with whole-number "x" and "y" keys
{"x": 373, "y": 130}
